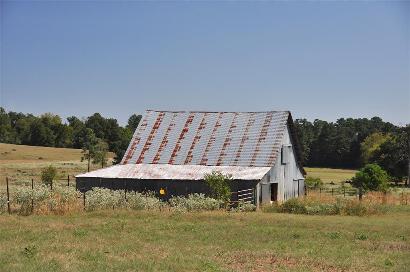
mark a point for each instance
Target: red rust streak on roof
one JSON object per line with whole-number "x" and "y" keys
{"x": 227, "y": 140}
{"x": 137, "y": 139}
{"x": 181, "y": 137}
{"x": 164, "y": 140}
{"x": 204, "y": 159}
{"x": 196, "y": 139}
{"x": 151, "y": 136}
{"x": 244, "y": 138}
{"x": 262, "y": 136}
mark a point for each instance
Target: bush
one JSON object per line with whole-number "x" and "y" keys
{"x": 293, "y": 205}
{"x": 219, "y": 184}
{"x": 195, "y": 202}
{"x": 339, "y": 207}
{"x": 313, "y": 183}
{"x": 25, "y": 195}
{"x": 101, "y": 198}
{"x": 147, "y": 201}
{"x": 3, "y": 203}
{"x": 244, "y": 207}
{"x": 371, "y": 178}
{"x": 48, "y": 174}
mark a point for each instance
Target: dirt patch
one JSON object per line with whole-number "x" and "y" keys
{"x": 256, "y": 262}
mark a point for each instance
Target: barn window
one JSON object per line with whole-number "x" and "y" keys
{"x": 286, "y": 149}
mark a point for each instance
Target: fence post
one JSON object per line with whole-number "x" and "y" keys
{"x": 125, "y": 189}
{"x": 332, "y": 191}
{"x": 344, "y": 192}
{"x": 305, "y": 190}
{"x": 84, "y": 200}
{"x": 32, "y": 198}
{"x": 360, "y": 193}
{"x": 68, "y": 180}
{"x": 8, "y": 195}
{"x": 51, "y": 185}
{"x": 402, "y": 196}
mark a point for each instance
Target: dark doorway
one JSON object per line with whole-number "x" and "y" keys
{"x": 274, "y": 191}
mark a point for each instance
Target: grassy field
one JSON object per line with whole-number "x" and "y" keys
{"x": 213, "y": 241}
{"x": 208, "y": 241}
{"x": 328, "y": 175}
{"x": 21, "y": 163}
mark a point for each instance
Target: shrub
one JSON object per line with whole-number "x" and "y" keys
{"x": 219, "y": 184}
{"x": 3, "y": 203}
{"x": 313, "y": 183}
{"x": 48, "y": 174}
{"x": 195, "y": 202}
{"x": 25, "y": 195}
{"x": 146, "y": 201}
{"x": 101, "y": 198}
{"x": 371, "y": 178}
{"x": 67, "y": 194}
{"x": 293, "y": 205}
{"x": 244, "y": 207}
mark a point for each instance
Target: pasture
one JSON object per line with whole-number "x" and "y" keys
{"x": 21, "y": 163}
{"x": 206, "y": 241}
{"x": 113, "y": 240}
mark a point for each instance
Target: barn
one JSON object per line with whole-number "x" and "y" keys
{"x": 171, "y": 151}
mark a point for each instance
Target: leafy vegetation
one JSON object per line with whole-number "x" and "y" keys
{"x": 339, "y": 206}
{"x": 48, "y": 174}
{"x": 49, "y": 130}
{"x": 371, "y": 178}
{"x": 350, "y": 143}
{"x": 195, "y": 202}
{"x": 219, "y": 184}
{"x": 313, "y": 183}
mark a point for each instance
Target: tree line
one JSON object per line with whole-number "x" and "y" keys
{"x": 353, "y": 143}
{"x": 90, "y": 133}
{"x": 346, "y": 143}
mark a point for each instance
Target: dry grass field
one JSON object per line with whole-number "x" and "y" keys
{"x": 21, "y": 163}
{"x": 328, "y": 175}
{"x": 125, "y": 240}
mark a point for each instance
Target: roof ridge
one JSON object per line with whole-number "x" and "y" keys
{"x": 199, "y": 111}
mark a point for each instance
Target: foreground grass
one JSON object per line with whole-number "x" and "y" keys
{"x": 213, "y": 241}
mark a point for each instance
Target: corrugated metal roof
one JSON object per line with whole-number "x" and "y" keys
{"x": 174, "y": 172}
{"x": 207, "y": 138}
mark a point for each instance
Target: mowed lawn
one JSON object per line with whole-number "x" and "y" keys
{"x": 213, "y": 241}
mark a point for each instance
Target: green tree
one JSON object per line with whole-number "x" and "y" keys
{"x": 48, "y": 174}
{"x": 133, "y": 122}
{"x": 393, "y": 154}
{"x": 372, "y": 144}
{"x": 371, "y": 178}
{"x": 219, "y": 185}
{"x": 89, "y": 143}
{"x": 313, "y": 183}
{"x": 100, "y": 153}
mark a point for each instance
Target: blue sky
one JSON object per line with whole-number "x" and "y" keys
{"x": 323, "y": 60}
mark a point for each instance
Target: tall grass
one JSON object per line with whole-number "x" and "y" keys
{"x": 329, "y": 206}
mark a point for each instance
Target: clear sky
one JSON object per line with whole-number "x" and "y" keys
{"x": 323, "y": 60}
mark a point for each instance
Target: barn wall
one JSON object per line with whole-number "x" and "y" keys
{"x": 172, "y": 187}
{"x": 287, "y": 175}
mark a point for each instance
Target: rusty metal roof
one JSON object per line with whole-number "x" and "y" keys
{"x": 208, "y": 138}
{"x": 174, "y": 172}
